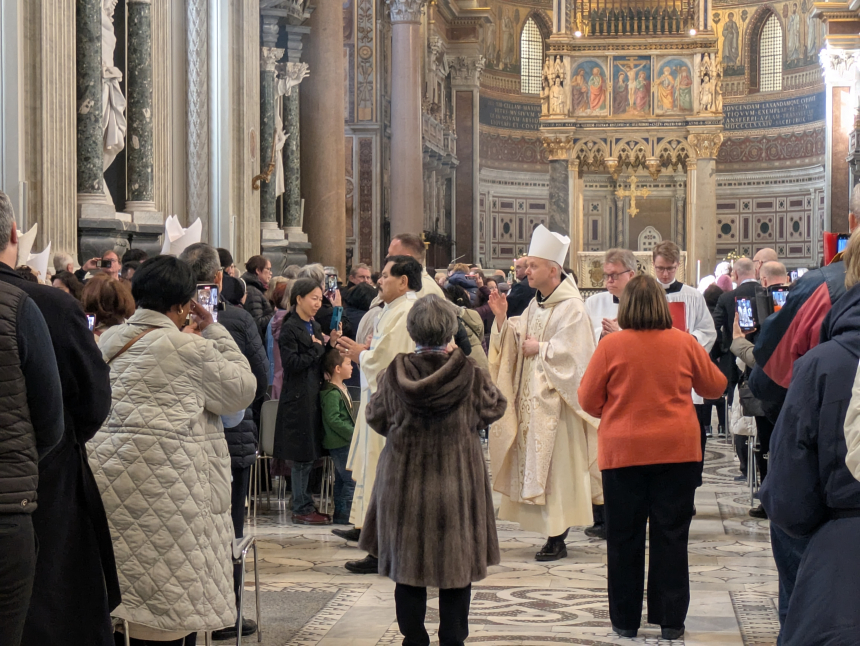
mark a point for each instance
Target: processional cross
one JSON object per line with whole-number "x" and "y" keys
{"x": 633, "y": 193}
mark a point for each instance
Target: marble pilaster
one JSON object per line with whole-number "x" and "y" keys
{"x": 680, "y": 220}
{"x": 197, "y": 14}
{"x": 619, "y": 221}
{"x": 88, "y": 58}
{"x": 322, "y": 154}
{"x": 407, "y": 194}
{"x": 140, "y": 155}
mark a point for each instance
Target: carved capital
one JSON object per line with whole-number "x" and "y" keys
{"x": 612, "y": 167}
{"x": 269, "y": 57}
{"x": 654, "y": 167}
{"x": 405, "y": 10}
{"x": 840, "y": 66}
{"x": 466, "y": 70}
{"x": 558, "y": 147}
{"x": 291, "y": 75}
{"x": 706, "y": 145}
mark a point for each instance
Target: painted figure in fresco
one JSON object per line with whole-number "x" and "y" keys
{"x": 580, "y": 92}
{"x": 508, "y": 47}
{"x": 631, "y": 70}
{"x": 666, "y": 90}
{"x": 490, "y": 42}
{"x": 621, "y": 94}
{"x": 685, "y": 89}
{"x": 597, "y": 91}
{"x": 643, "y": 93}
{"x": 811, "y": 30}
{"x": 731, "y": 37}
{"x": 793, "y": 30}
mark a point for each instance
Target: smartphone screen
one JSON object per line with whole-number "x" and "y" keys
{"x": 779, "y": 298}
{"x": 842, "y": 242}
{"x": 207, "y": 296}
{"x": 91, "y": 321}
{"x": 745, "y": 314}
{"x": 330, "y": 283}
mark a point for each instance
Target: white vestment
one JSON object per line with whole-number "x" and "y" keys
{"x": 601, "y": 306}
{"x": 390, "y": 338}
{"x": 543, "y": 452}
{"x": 700, "y": 323}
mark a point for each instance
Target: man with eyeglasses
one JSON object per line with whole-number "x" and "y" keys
{"x": 619, "y": 266}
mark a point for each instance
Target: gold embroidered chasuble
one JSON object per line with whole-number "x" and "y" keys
{"x": 543, "y": 452}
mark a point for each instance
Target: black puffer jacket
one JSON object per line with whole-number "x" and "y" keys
{"x": 242, "y": 439}
{"x": 256, "y": 303}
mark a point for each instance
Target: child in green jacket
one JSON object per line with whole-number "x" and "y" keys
{"x": 338, "y": 424}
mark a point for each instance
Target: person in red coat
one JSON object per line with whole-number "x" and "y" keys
{"x": 639, "y": 383}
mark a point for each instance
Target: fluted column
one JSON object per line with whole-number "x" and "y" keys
{"x": 323, "y": 147}
{"x": 88, "y": 58}
{"x": 198, "y": 113}
{"x": 139, "y": 178}
{"x": 407, "y": 190}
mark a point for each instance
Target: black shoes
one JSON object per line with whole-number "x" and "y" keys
{"x": 625, "y": 633}
{"x": 347, "y": 534}
{"x": 598, "y": 530}
{"x": 667, "y": 632}
{"x": 368, "y": 565}
{"x": 554, "y": 549}
{"x": 249, "y": 627}
{"x": 758, "y": 512}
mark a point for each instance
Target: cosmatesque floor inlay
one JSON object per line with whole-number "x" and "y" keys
{"x": 733, "y": 581}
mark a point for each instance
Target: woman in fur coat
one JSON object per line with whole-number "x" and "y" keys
{"x": 430, "y": 520}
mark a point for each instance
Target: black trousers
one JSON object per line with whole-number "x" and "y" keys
{"x": 764, "y": 427}
{"x": 663, "y": 493}
{"x": 742, "y": 451}
{"x": 239, "y": 490}
{"x": 17, "y": 569}
{"x": 411, "y": 604}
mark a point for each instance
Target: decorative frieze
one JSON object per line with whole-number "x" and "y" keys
{"x": 466, "y": 70}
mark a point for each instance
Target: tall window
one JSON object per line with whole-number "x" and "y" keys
{"x": 531, "y": 58}
{"x": 771, "y": 56}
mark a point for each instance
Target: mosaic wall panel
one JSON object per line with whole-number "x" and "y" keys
{"x": 511, "y": 220}
{"x": 788, "y": 222}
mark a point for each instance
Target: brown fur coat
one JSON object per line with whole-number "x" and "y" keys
{"x": 431, "y": 520}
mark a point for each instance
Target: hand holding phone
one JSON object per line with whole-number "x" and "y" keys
{"x": 207, "y": 297}
{"x": 746, "y": 317}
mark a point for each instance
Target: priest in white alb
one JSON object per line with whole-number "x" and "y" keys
{"x": 543, "y": 451}
{"x": 619, "y": 266}
{"x": 399, "y": 281}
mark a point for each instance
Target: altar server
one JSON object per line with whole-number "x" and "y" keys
{"x": 543, "y": 451}
{"x": 619, "y": 266}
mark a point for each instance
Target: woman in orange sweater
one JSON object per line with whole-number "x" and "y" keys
{"x": 639, "y": 384}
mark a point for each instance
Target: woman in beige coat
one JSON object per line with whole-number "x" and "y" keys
{"x": 161, "y": 459}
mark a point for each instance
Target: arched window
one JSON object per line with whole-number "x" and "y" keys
{"x": 770, "y": 51}
{"x": 531, "y": 58}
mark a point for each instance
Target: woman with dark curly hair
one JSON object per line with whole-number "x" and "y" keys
{"x": 68, "y": 282}
{"x": 109, "y": 300}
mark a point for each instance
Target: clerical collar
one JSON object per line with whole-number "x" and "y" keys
{"x": 615, "y": 300}
{"x": 541, "y": 299}
{"x": 672, "y": 288}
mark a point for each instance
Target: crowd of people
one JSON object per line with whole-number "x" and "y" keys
{"x": 134, "y": 403}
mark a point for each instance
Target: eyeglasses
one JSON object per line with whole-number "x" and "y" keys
{"x": 665, "y": 270}
{"x": 614, "y": 277}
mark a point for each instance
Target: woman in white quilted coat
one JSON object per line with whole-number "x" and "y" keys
{"x": 161, "y": 459}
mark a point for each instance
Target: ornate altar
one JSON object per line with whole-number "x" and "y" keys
{"x": 589, "y": 268}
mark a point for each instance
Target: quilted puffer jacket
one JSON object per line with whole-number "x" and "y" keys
{"x": 163, "y": 469}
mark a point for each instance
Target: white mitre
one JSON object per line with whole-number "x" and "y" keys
{"x": 549, "y": 246}
{"x": 177, "y": 238}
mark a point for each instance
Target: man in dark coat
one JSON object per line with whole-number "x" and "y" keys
{"x": 76, "y": 584}
{"x": 242, "y": 438}
{"x": 810, "y": 494}
{"x": 520, "y": 294}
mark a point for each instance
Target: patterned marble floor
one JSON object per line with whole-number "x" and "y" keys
{"x": 733, "y": 581}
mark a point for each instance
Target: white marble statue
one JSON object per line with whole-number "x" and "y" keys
{"x": 113, "y": 101}
{"x": 280, "y": 141}
{"x": 557, "y": 102}
{"x": 707, "y": 100}
{"x": 558, "y": 69}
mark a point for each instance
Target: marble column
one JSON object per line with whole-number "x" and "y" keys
{"x": 559, "y": 196}
{"x": 680, "y": 219}
{"x": 702, "y": 203}
{"x": 577, "y": 211}
{"x": 91, "y": 198}
{"x": 139, "y": 179}
{"x": 292, "y": 167}
{"x": 619, "y": 220}
{"x": 268, "y": 104}
{"x": 323, "y": 150}
{"x": 198, "y": 113}
{"x": 407, "y": 192}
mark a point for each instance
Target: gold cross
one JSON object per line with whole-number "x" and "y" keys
{"x": 633, "y": 193}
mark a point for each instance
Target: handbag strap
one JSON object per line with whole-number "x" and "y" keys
{"x": 131, "y": 343}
